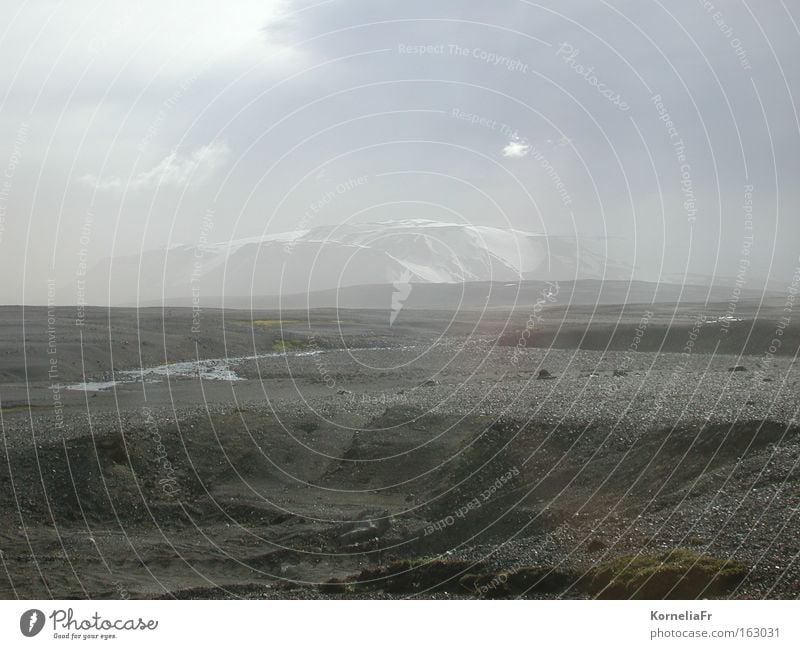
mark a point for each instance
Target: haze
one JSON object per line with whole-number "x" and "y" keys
{"x": 665, "y": 132}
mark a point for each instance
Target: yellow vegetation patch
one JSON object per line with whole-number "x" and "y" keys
{"x": 287, "y": 345}
{"x": 272, "y": 323}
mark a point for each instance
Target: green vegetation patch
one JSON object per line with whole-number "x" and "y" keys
{"x": 288, "y": 344}
{"x": 677, "y": 574}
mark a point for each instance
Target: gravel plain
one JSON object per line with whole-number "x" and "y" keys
{"x": 352, "y": 446}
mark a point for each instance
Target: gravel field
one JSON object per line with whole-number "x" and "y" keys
{"x": 445, "y": 464}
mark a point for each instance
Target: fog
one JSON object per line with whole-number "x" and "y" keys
{"x": 663, "y": 133}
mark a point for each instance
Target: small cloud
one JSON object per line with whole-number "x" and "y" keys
{"x": 516, "y": 149}
{"x": 172, "y": 170}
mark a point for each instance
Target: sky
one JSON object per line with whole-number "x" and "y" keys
{"x": 666, "y": 131}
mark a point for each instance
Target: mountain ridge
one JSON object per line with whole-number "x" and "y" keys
{"x": 330, "y": 257}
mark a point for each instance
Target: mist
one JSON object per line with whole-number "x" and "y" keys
{"x": 667, "y": 135}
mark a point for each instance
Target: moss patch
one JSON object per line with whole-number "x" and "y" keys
{"x": 678, "y": 574}
{"x": 287, "y": 344}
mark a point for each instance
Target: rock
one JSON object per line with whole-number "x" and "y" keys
{"x": 620, "y": 373}
{"x": 308, "y": 426}
{"x": 289, "y": 571}
{"x": 737, "y": 368}
{"x": 369, "y": 525}
{"x": 544, "y": 375}
{"x": 430, "y": 382}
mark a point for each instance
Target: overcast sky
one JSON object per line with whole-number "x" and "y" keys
{"x": 638, "y": 122}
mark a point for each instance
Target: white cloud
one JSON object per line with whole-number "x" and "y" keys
{"x": 173, "y": 170}
{"x": 516, "y": 149}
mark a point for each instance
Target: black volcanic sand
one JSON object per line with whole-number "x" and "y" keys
{"x": 429, "y": 458}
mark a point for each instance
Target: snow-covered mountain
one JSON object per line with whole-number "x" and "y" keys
{"x": 329, "y": 257}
